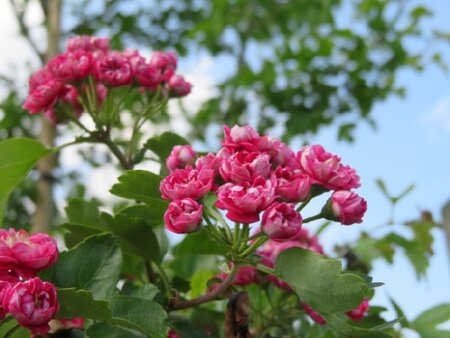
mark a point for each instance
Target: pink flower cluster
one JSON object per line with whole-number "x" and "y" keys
{"x": 58, "y": 88}
{"x": 255, "y": 175}
{"x": 24, "y": 296}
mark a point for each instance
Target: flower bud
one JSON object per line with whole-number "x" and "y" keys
{"x": 346, "y": 207}
{"x": 280, "y": 222}
{"x": 33, "y": 304}
{"x": 178, "y": 86}
{"x": 180, "y": 157}
{"x": 183, "y": 216}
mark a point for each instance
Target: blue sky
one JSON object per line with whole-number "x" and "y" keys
{"x": 410, "y": 145}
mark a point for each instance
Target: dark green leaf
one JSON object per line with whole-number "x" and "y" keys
{"x": 343, "y": 329}
{"x": 140, "y": 185}
{"x": 79, "y": 303}
{"x": 135, "y": 236}
{"x": 143, "y": 315}
{"x": 93, "y": 265}
{"x": 103, "y": 330}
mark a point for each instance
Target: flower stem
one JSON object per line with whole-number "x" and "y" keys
{"x": 252, "y": 248}
{"x": 312, "y": 218}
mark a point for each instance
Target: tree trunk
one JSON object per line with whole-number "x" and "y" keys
{"x": 43, "y": 216}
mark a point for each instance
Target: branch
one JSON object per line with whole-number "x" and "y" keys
{"x": 208, "y": 296}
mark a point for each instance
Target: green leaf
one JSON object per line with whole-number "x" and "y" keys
{"x": 77, "y": 234}
{"x": 429, "y": 319}
{"x": 21, "y": 332}
{"x": 162, "y": 146}
{"x": 140, "y": 185}
{"x": 152, "y": 215}
{"x": 103, "y": 330}
{"x": 86, "y": 213}
{"x": 143, "y": 315}
{"x": 134, "y": 235}
{"x": 344, "y": 330}
{"x": 79, "y": 303}
{"x": 320, "y": 282}
{"x": 93, "y": 265}
{"x": 17, "y": 157}
{"x": 199, "y": 243}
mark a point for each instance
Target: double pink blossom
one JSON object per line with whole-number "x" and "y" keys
{"x": 245, "y": 166}
{"x": 146, "y": 74}
{"x": 347, "y": 207}
{"x": 188, "y": 182}
{"x": 26, "y": 253}
{"x": 43, "y": 96}
{"x": 246, "y": 200}
{"x": 32, "y": 303}
{"x": 280, "y": 222}
{"x": 178, "y": 86}
{"x": 88, "y": 44}
{"x": 243, "y": 137}
{"x": 40, "y": 77}
{"x": 293, "y": 185}
{"x": 326, "y": 169}
{"x": 166, "y": 62}
{"x": 114, "y": 70}
{"x": 4, "y": 288}
{"x": 183, "y": 216}
{"x": 180, "y": 157}
{"x": 71, "y": 66}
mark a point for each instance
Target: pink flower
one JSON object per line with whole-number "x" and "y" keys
{"x": 82, "y": 42}
{"x": 40, "y": 77}
{"x": 246, "y": 275}
{"x": 183, "y": 216}
{"x": 43, "y": 97}
{"x": 32, "y": 303}
{"x": 71, "y": 66}
{"x": 244, "y": 166}
{"x": 88, "y": 44}
{"x": 243, "y": 137}
{"x": 280, "y": 153}
{"x": 246, "y": 200}
{"x": 280, "y": 222}
{"x": 180, "y": 157}
{"x": 114, "y": 70}
{"x": 147, "y": 75}
{"x": 359, "y": 312}
{"x": 188, "y": 182}
{"x": 27, "y": 253}
{"x": 347, "y": 207}
{"x": 4, "y": 288}
{"x": 326, "y": 169}
{"x": 314, "y": 315}
{"x": 166, "y": 62}
{"x": 209, "y": 161}
{"x": 178, "y": 86}
{"x": 292, "y": 184}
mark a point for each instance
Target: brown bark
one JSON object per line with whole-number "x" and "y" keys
{"x": 43, "y": 216}
{"x": 237, "y": 316}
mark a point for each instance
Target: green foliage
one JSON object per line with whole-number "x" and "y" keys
{"x": 341, "y": 329}
{"x": 103, "y": 330}
{"x": 319, "y": 281}
{"x": 92, "y": 265}
{"x": 17, "y": 158}
{"x": 426, "y": 324}
{"x": 143, "y": 315}
{"x": 142, "y": 186}
{"x": 79, "y": 303}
